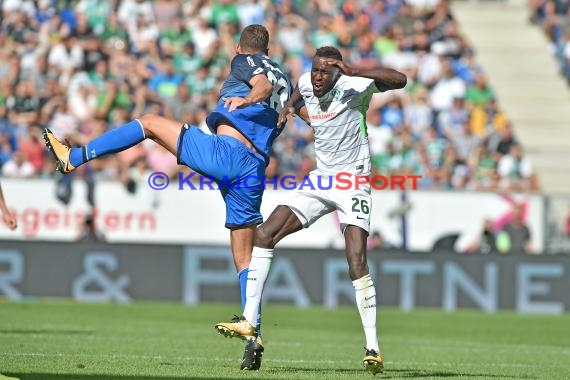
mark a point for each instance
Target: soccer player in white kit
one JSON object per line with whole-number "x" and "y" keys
{"x": 333, "y": 98}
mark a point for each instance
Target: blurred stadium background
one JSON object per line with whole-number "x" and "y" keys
{"x": 484, "y": 120}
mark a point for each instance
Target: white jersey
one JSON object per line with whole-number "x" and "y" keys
{"x": 338, "y": 121}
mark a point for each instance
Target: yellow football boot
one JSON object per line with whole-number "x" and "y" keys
{"x": 60, "y": 152}
{"x": 373, "y": 362}
{"x": 239, "y": 327}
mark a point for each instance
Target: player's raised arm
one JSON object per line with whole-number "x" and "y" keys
{"x": 385, "y": 79}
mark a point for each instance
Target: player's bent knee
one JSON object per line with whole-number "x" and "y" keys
{"x": 151, "y": 124}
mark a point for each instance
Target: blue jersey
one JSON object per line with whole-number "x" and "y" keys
{"x": 258, "y": 122}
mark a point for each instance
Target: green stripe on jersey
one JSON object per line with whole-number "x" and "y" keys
{"x": 363, "y": 108}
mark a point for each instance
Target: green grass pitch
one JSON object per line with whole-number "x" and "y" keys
{"x": 64, "y": 340}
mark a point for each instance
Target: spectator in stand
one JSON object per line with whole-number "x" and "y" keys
{"x": 488, "y": 119}
{"x": 484, "y": 166}
{"x": 203, "y": 36}
{"x": 18, "y": 166}
{"x": 6, "y": 148}
{"x": 392, "y": 114}
{"x": 451, "y": 122}
{"x": 250, "y": 12}
{"x": 465, "y": 142}
{"x": 165, "y": 82}
{"x": 378, "y": 137}
{"x": 33, "y": 149}
{"x": 515, "y": 170}
{"x": 67, "y": 55}
{"x": 435, "y": 148}
{"x": 182, "y": 104}
{"x": 290, "y": 158}
{"x": 466, "y": 67}
{"x": 447, "y": 88}
{"x": 554, "y": 18}
{"x": 479, "y": 93}
{"x": 418, "y": 115}
{"x": 23, "y": 104}
{"x": 502, "y": 140}
{"x": 166, "y": 13}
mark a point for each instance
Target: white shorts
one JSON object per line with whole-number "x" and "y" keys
{"x": 354, "y": 205}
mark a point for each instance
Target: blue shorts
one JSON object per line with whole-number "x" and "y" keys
{"x": 228, "y": 161}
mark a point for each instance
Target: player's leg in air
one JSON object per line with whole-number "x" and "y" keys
{"x": 196, "y": 150}
{"x": 162, "y": 130}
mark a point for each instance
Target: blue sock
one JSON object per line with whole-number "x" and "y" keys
{"x": 242, "y": 275}
{"x": 112, "y": 141}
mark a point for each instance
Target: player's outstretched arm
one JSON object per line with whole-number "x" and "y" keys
{"x": 295, "y": 105}
{"x": 385, "y": 79}
{"x": 261, "y": 89}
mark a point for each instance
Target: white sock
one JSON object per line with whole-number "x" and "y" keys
{"x": 366, "y": 302}
{"x": 258, "y": 270}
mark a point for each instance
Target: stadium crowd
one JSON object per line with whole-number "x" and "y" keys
{"x": 553, "y": 16}
{"x": 83, "y": 67}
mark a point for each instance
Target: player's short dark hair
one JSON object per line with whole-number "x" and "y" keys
{"x": 328, "y": 52}
{"x": 254, "y": 37}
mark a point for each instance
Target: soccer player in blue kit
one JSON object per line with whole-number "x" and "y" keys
{"x": 243, "y": 125}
